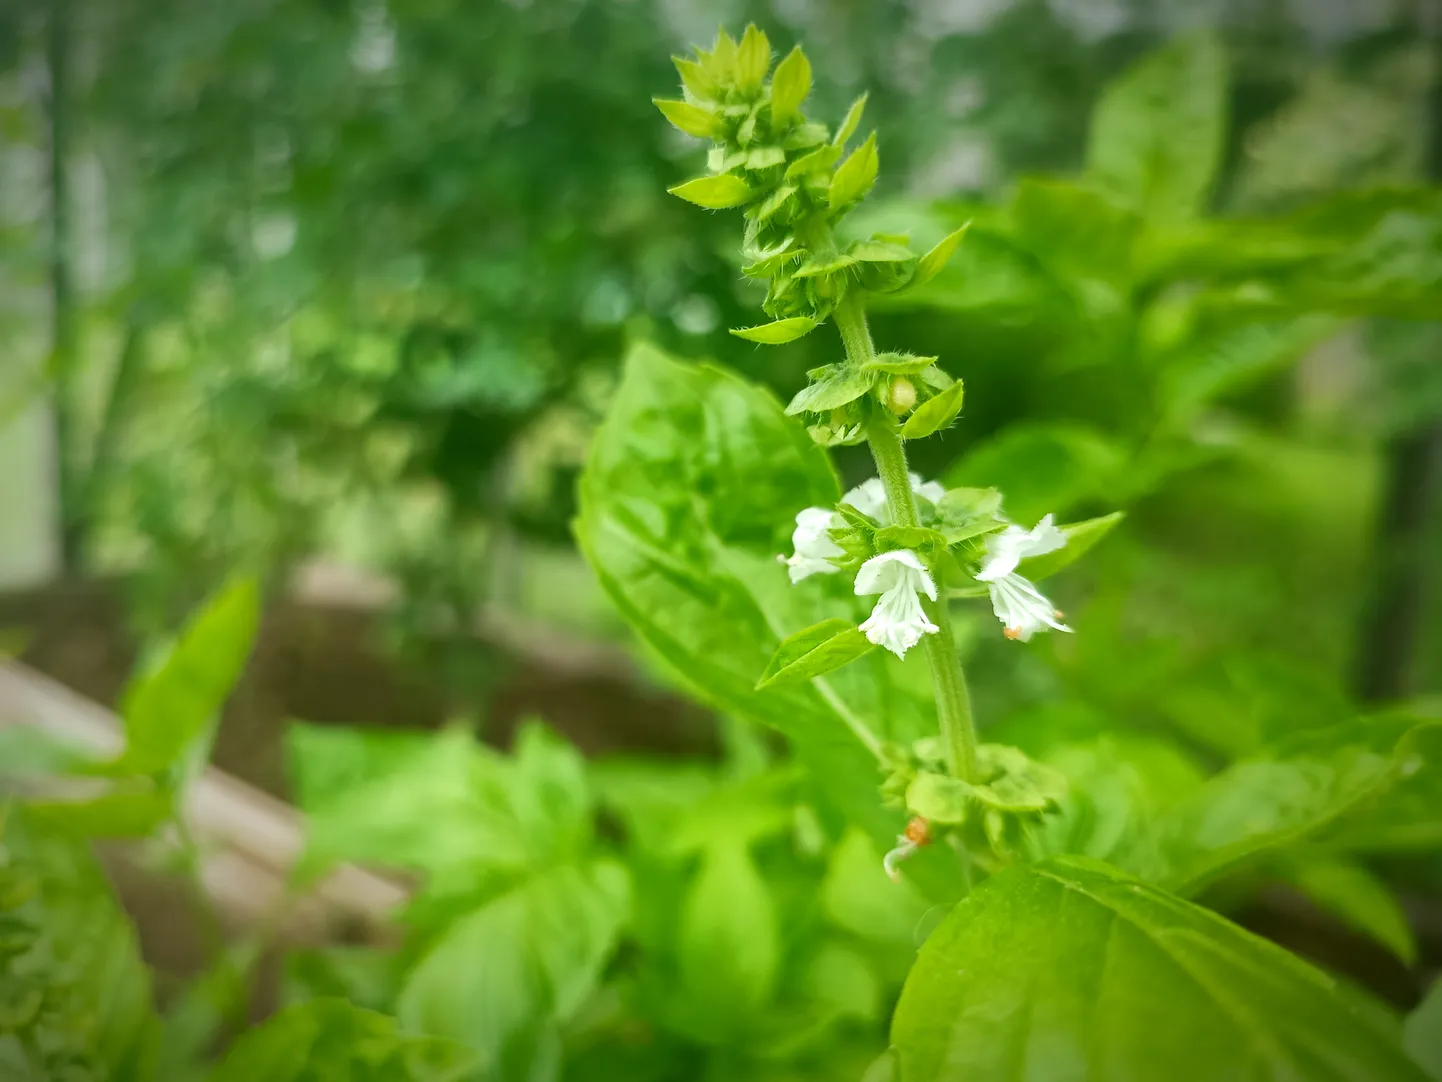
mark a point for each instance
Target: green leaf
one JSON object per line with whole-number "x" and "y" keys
{"x": 441, "y": 804}
{"x": 855, "y": 176}
{"x": 753, "y": 59}
{"x": 815, "y": 652}
{"x": 934, "y": 414}
{"x": 789, "y": 86}
{"x": 1135, "y": 153}
{"x": 1042, "y": 467}
{"x": 1215, "y": 364}
{"x": 730, "y": 943}
{"x": 1358, "y": 897}
{"x": 778, "y": 333}
{"x": 691, "y": 119}
{"x": 695, "y": 78}
{"x": 880, "y": 251}
{"x": 1283, "y": 796}
{"x": 933, "y": 261}
{"x": 79, "y": 958}
{"x": 1070, "y": 969}
{"x": 898, "y": 364}
{"x": 170, "y": 704}
{"x": 329, "y": 1040}
{"x": 1080, "y": 537}
{"x": 714, "y": 193}
{"x": 1075, "y": 231}
{"x": 857, "y": 896}
{"x": 909, "y": 537}
{"x": 840, "y": 385}
{"x": 126, "y": 812}
{"x": 689, "y": 492}
{"x": 1422, "y": 1034}
{"x": 502, "y": 976}
{"x": 850, "y": 123}
{"x": 818, "y": 160}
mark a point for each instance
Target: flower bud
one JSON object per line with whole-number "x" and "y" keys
{"x": 901, "y": 396}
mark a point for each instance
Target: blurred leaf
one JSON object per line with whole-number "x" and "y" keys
{"x": 1136, "y": 152}
{"x": 1080, "y": 537}
{"x": 840, "y": 979}
{"x": 81, "y": 960}
{"x": 169, "y": 705}
{"x": 814, "y": 652}
{"x": 1057, "y": 970}
{"x": 500, "y": 977}
{"x": 1041, "y": 468}
{"x": 1355, "y": 895}
{"x": 1423, "y": 1033}
{"x": 125, "y": 812}
{"x": 1075, "y": 231}
{"x": 858, "y": 897}
{"x": 729, "y": 948}
{"x": 329, "y": 1040}
{"x": 1210, "y": 366}
{"x": 450, "y": 806}
{"x": 1286, "y": 794}
{"x": 28, "y": 750}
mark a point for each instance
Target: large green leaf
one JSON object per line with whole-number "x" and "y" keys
{"x": 1042, "y": 468}
{"x": 1157, "y": 133}
{"x": 168, "y": 707}
{"x": 689, "y": 494}
{"x": 1423, "y": 1034}
{"x": 503, "y": 977}
{"x": 329, "y": 1040}
{"x": 68, "y": 945}
{"x": 1070, "y": 969}
{"x": 445, "y": 804}
{"x": 730, "y": 943}
{"x": 1357, "y": 896}
{"x": 1291, "y": 792}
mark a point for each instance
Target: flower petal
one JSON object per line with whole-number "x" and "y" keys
{"x": 884, "y": 570}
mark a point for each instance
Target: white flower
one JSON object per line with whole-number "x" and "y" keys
{"x": 813, "y": 545}
{"x": 897, "y": 622}
{"x": 1019, "y": 605}
{"x": 1005, "y": 550}
{"x": 869, "y": 497}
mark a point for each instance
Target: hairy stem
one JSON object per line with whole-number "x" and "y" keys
{"x": 953, "y": 702}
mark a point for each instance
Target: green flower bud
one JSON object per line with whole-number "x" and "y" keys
{"x": 901, "y": 396}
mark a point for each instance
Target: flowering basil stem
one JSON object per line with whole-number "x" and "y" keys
{"x": 909, "y": 543}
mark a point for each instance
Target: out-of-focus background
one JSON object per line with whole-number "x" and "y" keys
{"x": 337, "y": 290}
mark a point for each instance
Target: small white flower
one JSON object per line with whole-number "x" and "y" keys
{"x": 812, "y": 543}
{"x": 1005, "y": 550}
{"x": 812, "y": 547}
{"x": 869, "y": 497}
{"x": 897, "y": 622}
{"x": 1022, "y": 609}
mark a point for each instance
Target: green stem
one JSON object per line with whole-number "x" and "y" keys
{"x": 953, "y": 703}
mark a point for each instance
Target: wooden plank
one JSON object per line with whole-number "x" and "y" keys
{"x": 249, "y": 840}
